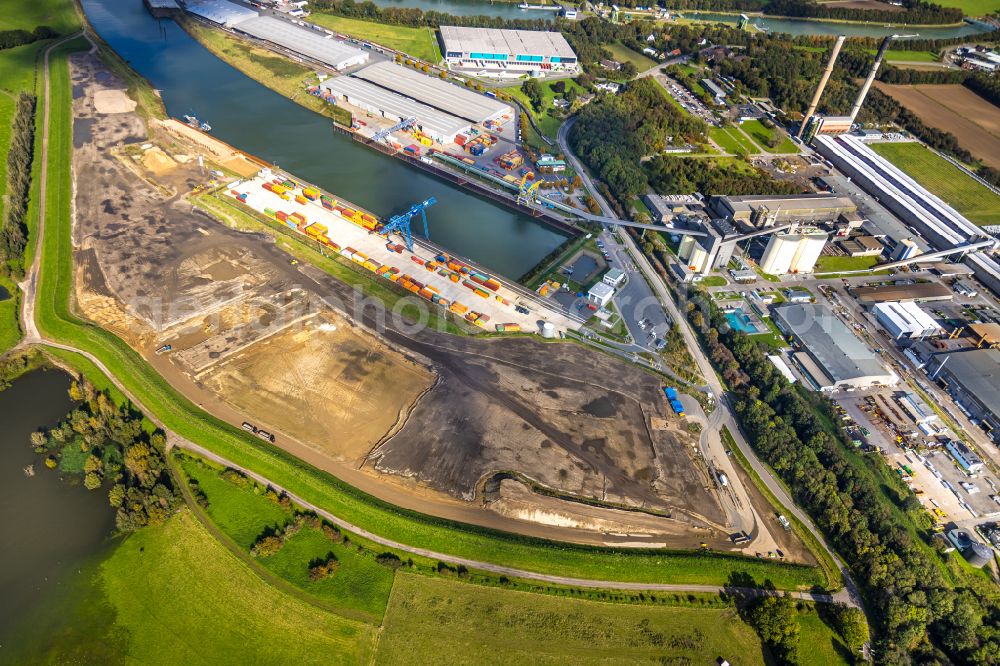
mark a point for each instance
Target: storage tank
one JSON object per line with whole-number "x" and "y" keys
{"x": 698, "y": 258}
{"x": 779, "y": 254}
{"x": 548, "y": 330}
{"x": 811, "y": 244}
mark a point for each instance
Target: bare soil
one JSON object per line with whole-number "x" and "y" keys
{"x": 256, "y": 337}
{"x": 956, "y": 109}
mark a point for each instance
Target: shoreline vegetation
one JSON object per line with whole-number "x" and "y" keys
{"x": 818, "y": 19}
{"x": 179, "y": 415}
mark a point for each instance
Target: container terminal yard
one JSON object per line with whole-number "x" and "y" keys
{"x": 448, "y": 282}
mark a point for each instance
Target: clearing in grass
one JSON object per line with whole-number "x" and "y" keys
{"x": 417, "y": 42}
{"x": 622, "y": 53}
{"x": 763, "y": 136}
{"x": 10, "y": 328}
{"x": 438, "y": 621}
{"x": 732, "y": 141}
{"x": 964, "y": 193}
{"x": 842, "y": 264}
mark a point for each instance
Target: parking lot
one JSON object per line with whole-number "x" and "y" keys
{"x": 688, "y": 101}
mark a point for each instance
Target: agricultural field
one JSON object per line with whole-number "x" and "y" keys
{"x": 731, "y": 140}
{"x": 762, "y": 135}
{"x": 435, "y": 621}
{"x": 968, "y": 196}
{"x": 972, "y": 7}
{"x": 59, "y": 15}
{"x": 418, "y": 42}
{"x": 955, "y": 109}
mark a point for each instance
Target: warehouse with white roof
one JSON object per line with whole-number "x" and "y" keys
{"x": 506, "y": 52}
{"x": 905, "y": 320}
{"x": 438, "y": 125}
{"x": 311, "y": 43}
{"x": 434, "y": 92}
{"x": 224, "y": 13}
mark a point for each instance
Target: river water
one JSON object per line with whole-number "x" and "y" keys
{"x": 50, "y": 526}
{"x": 800, "y": 27}
{"x": 252, "y": 118}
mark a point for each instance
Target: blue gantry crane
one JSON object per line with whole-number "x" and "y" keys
{"x": 401, "y": 223}
{"x": 404, "y": 124}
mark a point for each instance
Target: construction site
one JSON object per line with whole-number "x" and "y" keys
{"x": 546, "y": 438}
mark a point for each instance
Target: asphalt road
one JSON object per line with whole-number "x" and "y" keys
{"x": 722, "y": 415}
{"x": 33, "y": 336}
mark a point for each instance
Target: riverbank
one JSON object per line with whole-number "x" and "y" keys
{"x": 823, "y": 20}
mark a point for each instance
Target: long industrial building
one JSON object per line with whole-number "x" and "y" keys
{"x": 438, "y": 125}
{"x": 938, "y": 222}
{"x": 314, "y": 43}
{"x": 764, "y": 211}
{"x": 972, "y": 378}
{"x": 833, "y": 357}
{"x": 905, "y": 320}
{"x": 506, "y": 52}
{"x": 447, "y": 97}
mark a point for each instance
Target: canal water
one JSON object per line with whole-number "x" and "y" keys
{"x": 50, "y": 526}
{"x": 252, "y": 118}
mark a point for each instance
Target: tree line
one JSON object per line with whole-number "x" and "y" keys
{"x": 14, "y": 235}
{"x": 107, "y": 445}
{"x": 414, "y": 17}
{"x": 678, "y": 175}
{"x": 922, "y": 616}
{"x": 11, "y": 38}
{"x": 614, "y": 132}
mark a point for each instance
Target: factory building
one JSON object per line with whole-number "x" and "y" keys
{"x": 313, "y": 44}
{"x": 226, "y": 14}
{"x": 941, "y": 225}
{"x": 703, "y": 254}
{"x": 976, "y": 553}
{"x": 447, "y": 97}
{"x": 907, "y": 248}
{"x": 862, "y": 246}
{"x": 905, "y": 320}
{"x": 600, "y": 294}
{"x": 440, "y": 126}
{"x": 921, "y": 292}
{"x": 794, "y": 252}
{"x": 511, "y": 53}
{"x": 759, "y": 212}
{"x": 832, "y": 357}
{"x": 971, "y": 377}
{"x": 985, "y": 335}
{"x": 916, "y": 408}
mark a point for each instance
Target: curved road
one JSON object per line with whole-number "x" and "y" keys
{"x": 33, "y": 336}
{"x": 723, "y": 414}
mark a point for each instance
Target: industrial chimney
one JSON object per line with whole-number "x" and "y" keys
{"x": 871, "y": 75}
{"x": 822, "y": 84}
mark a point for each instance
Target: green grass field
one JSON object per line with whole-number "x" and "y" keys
{"x": 941, "y": 177}
{"x": 841, "y": 264}
{"x": 897, "y": 55}
{"x": 186, "y": 419}
{"x": 761, "y": 135}
{"x": 732, "y": 140}
{"x": 972, "y": 7}
{"x": 435, "y": 621}
{"x": 548, "y": 124}
{"x": 360, "y": 584}
{"x": 418, "y": 42}
{"x": 622, "y": 53}
{"x": 181, "y": 597}
{"x": 10, "y": 329}
{"x": 59, "y": 15}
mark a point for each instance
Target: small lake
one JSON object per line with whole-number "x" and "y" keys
{"x": 51, "y": 526}
{"x": 4, "y": 294}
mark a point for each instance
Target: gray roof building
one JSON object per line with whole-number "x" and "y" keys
{"x": 305, "y": 41}
{"x": 972, "y": 377}
{"x": 514, "y": 44}
{"x": 837, "y": 359}
{"x": 434, "y": 92}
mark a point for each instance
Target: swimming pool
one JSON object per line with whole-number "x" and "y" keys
{"x": 741, "y": 322}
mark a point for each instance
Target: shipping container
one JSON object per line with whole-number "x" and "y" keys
{"x": 426, "y": 293}
{"x": 299, "y": 199}
{"x": 481, "y": 292}
{"x": 458, "y": 308}
{"x": 417, "y": 260}
{"x": 278, "y": 189}
{"x": 412, "y": 149}
{"x": 281, "y": 215}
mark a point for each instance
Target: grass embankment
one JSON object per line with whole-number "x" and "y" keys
{"x": 181, "y": 416}
{"x": 181, "y": 597}
{"x": 441, "y": 621}
{"x": 270, "y": 69}
{"x": 10, "y": 328}
{"x": 762, "y": 136}
{"x": 416, "y": 42}
{"x": 965, "y": 194}
{"x": 732, "y": 140}
{"x": 360, "y": 585}
{"x": 60, "y": 15}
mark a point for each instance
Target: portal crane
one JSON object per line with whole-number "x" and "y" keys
{"x": 529, "y": 194}
{"x": 383, "y": 134}
{"x": 401, "y": 223}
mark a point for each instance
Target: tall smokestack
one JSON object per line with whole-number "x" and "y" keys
{"x": 871, "y": 76}
{"x": 822, "y": 84}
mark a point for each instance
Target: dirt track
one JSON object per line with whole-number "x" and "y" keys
{"x": 154, "y": 269}
{"x": 956, "y": 109}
